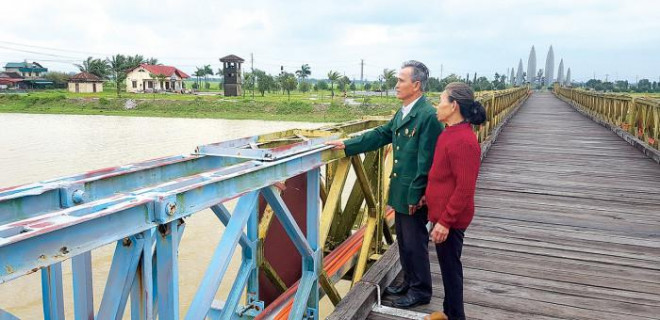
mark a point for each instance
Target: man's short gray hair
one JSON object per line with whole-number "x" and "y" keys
{"x": 420, "y": 72}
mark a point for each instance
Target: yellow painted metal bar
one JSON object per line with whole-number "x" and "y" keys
{"x": 329, "y": 288}
{"x": 334, "y": 197}
{"x": 272, "y": 275}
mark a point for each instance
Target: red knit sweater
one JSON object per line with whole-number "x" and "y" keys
{"x": 453, "y": 177}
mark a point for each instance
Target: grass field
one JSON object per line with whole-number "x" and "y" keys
{"x": 313, "y": 106}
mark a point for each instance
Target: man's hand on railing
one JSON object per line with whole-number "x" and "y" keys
{"x": 338, "y": 144}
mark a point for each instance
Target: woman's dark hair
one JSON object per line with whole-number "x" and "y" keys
{"x": 471, "y": 110}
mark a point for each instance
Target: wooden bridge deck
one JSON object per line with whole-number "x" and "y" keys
{"x": 567, "y": 224}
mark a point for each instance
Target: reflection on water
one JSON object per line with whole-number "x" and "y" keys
{"x": 39, "y": 147}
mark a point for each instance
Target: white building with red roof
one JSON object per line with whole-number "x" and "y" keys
{"x": 150, "y": 78}
{"x": 85, "y": 82}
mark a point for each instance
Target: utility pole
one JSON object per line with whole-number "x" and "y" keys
{"x": 440, "y": 72}
{"x": 607, "y": 75}
{"x": 361, "y": 70}
{"x": 252, "y": 70}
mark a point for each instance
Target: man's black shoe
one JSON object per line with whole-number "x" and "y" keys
{"x": 407, "y": 302}
{"x": 397, "y": 290}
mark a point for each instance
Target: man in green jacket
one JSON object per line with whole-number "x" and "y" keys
{"x": 413, "y": 132}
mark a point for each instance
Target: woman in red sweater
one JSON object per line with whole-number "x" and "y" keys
{"x": 451, "y": 185}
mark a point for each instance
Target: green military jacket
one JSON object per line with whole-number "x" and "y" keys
{"x": 413, "y": 141}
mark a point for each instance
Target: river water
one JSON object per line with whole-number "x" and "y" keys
{"x": 40, "y": 147}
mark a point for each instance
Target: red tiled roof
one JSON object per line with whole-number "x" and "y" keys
{"x": 12, "y": 75}
{"x": 85, "y": 76}
{"x": 10, "y": 80}
{"x": 168, "y": 71}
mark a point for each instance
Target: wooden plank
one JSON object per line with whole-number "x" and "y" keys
{"x": 567, "y": 224}
{"x": 358, "y": 301}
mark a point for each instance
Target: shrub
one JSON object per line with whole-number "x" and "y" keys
{"x": 291, "y": 107}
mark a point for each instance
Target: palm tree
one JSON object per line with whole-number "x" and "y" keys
{"x": 207, "y": 71}
{"x": 96, "y": 67}
{"x": 152, "y": 61}
{"x": 117, "y": 65}
{"x": 388, "y": 76}
{"x": 333, "y": 76}
{"x": 199, "y": 72}
{"x": 304, "y": 72}
{"x": 134, "y": 61}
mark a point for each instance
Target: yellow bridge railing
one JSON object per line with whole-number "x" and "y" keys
{"x": 638, "y": 116}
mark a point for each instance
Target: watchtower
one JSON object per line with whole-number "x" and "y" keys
{"x": 231, "y": 70}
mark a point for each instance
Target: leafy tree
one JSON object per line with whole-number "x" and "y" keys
{"x": 288, "y": 82}
{"x": 322, "y": 85}
{"x": 59, "y": 79}
{"x": 265, "y": 82}
{"x": 482, "y": 84}
{"x": 304, "y": 87}
{"x": 367, "y": 86}
{"x": 352, "y": 86}
{"x": 304, "y": 72}
{"x": 433, "y": 85}
{"x": 333, "y": 76}
{"x": 621, "y": 86}
{"x": 343, "y": 82}
{"x": 644, "y": 85}
{"x": 594, "y": 84}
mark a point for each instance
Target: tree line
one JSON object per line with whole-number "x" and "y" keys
{"x": 642, "y": 86}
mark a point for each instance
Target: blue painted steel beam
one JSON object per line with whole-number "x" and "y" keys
{"x": 83, "y": 294}
{"x": 45, "y": 223}
{"x": 313, "y": 264}
{"x": 288, "y": 222}
{"x": 203, "y": 299}
{"x": 37, "y": 199}
{"x": 142, "y": 292}
{"x": 224, "y": 216}
{"x": 91, "y": 225}
{"x": 305, "y": 286}
{"x": 167, "y": 264}
{"x": 234, "y": 297}
{"x": 51, "y": 292}
{"x": 5, "y": 315}
{"x": 120, "y": 278}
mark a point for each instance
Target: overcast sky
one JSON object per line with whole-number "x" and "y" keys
{"x": 617, "y": 38}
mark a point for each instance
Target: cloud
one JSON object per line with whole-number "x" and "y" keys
{"x": 458, "y": 36}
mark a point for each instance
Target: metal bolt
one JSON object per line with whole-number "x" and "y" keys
{"x": 77, "y": 196}
{"x": 170, "y": 208}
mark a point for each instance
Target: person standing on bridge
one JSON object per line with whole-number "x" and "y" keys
{"x": 413, "y": 132}
{"x": 451, "y": 187}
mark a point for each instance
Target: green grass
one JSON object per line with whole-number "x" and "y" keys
{"x": 310, "y": 107}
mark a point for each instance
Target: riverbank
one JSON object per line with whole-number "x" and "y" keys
{"x": 278, "y": 108}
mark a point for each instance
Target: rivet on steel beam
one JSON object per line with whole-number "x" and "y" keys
{"x": 77, "y": 196}
{"x": 170, "y": 208}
